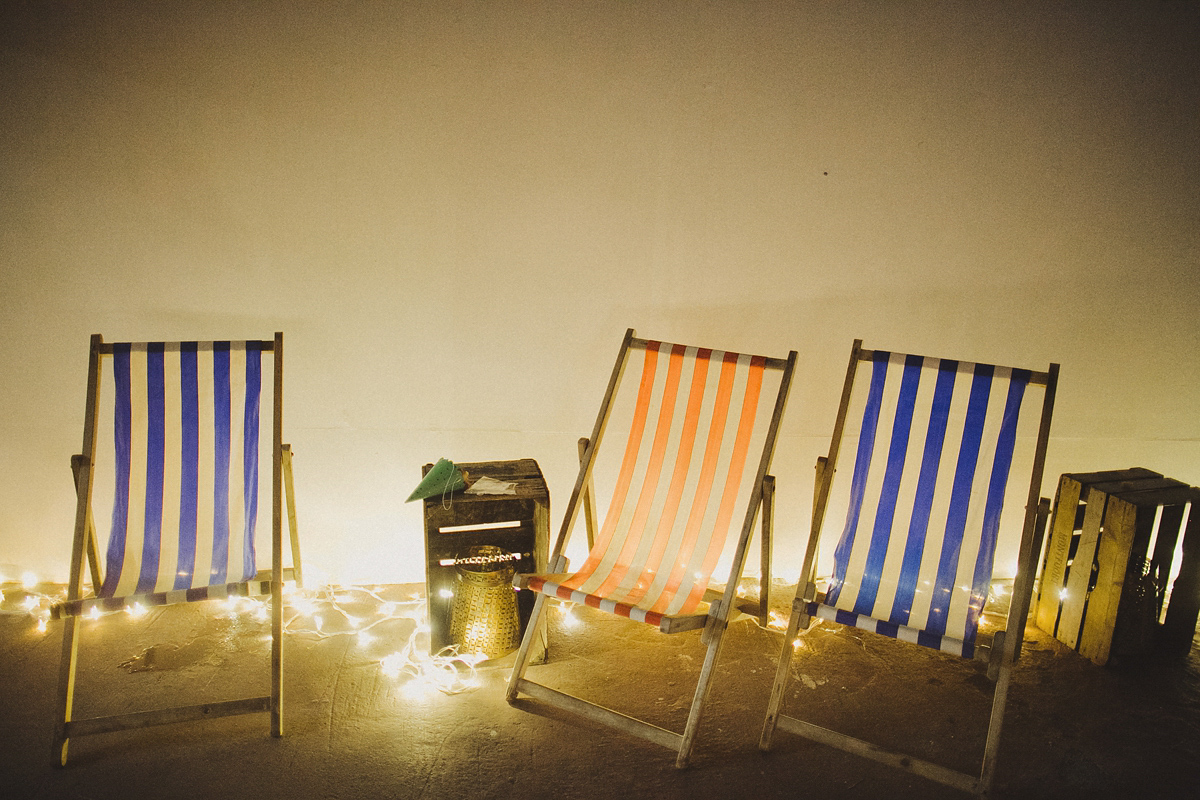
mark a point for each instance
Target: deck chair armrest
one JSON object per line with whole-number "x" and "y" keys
{"x": 521, "y": 579}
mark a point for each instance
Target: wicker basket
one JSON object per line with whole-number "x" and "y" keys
{"x": 485, "y": 616}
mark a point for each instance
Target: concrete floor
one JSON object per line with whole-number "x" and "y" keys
{"x": 1072, "y": 728}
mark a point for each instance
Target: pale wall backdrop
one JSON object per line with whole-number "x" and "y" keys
{"x": 454, "y": 209}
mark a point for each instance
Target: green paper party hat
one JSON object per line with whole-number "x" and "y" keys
{"x": 443, "y": 478}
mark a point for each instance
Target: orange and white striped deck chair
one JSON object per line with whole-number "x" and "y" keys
{"x": 183, "y": 473}
{"x": 941, "y": 445}
{"x": 700, "y": 430}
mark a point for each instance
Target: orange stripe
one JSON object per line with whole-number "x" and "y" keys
{"x": 625, "y": 477}
{"x": 736, "y": 467}
{"x": 683, "y": 460}
{"x": 637, "y": 526}
{"x": 712, "y": 454}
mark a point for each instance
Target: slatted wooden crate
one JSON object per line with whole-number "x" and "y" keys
{"x": 1106, "y": 587}
{"x": 518, "y": 523}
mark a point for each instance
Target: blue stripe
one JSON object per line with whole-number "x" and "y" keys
{"x": 189, "y": 468}
{"x": 927, "y": 639}
{"x": 122, "y": 425}
{"x": 885, "y": 512}
{"x": 862, "y": 465}
{"x": 221, "y": 401}
{"x": 156, "y": 404}
{"x": 250, "y": 454}
{"x": 918, "y": 526}
{"x": 960, "y": 498}
{"x": 995, "y": 499}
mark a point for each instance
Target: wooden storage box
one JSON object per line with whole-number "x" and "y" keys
{"x": 517, "y": 523}
{"x": 1108, "y": 585}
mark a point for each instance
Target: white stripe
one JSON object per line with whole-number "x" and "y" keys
{"x": 205, "y": 471}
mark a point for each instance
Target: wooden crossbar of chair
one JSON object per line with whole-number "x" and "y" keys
{"x": 150, "y": 591}
{"x": 908, "y": 518}
{"x": 651, "y": 558}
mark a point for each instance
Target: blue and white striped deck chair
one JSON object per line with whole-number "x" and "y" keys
{"x": 942, "y": 444}
{"x": 183, "y": 473}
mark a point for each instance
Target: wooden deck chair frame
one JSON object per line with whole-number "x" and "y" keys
{"x": 85, "y": 549}
{"x": 1004, "y": 647}
{"x": 713, "y": 622}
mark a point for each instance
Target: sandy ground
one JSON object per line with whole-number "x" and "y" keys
{"x": 1073, "y": 729}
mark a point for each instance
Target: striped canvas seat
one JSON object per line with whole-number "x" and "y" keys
{"x": 183, "y": 473}
{"x": 934, "y": 453}
{"x": 940, "y": 445}
{"x": 699, "y": 429}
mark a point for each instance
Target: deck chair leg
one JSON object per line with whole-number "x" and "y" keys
{"x": 279, "y": 472}
{"x": 764, "y": 566}
{"x": 93, "y": 553}
{"x": 589, "y": 508}
{"x": 781, "y": 676}
{"x": 701, "y": 694}
{"x": 66, "y": 690}
{"x": 992, "y": 746}
{"x": 522, "y": 657}
{"x": 290, "y": 497}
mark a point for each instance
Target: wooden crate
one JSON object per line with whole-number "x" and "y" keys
{"x": 1105, "y": 580}
{"x": 518, "y": 523}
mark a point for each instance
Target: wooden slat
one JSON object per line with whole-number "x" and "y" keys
{"x": 605, "y": 716}
{"x": 944, "y": 775}
{"x": 1071, "y": 617}
{"x": 277, "y": 545}
{"x": 1133, "y": 474}
{"x": 1036, "y": 377}
{"x": 1062, "y": 531}
{"x": 1179, "y": 625}
{"x": 108, "y": 348}
{"x": 768, "y": 361}
{"x": 167, "y": 716}
{"x": 1112, "y": 558}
